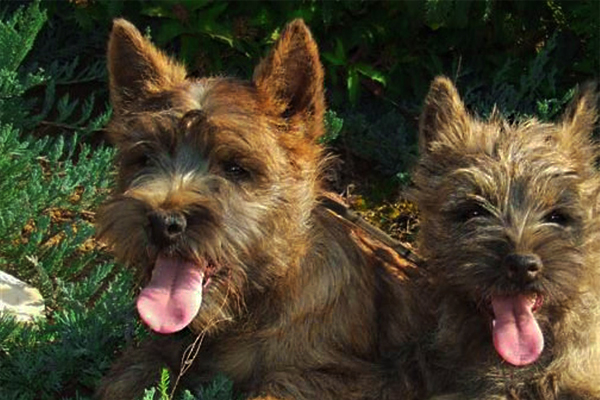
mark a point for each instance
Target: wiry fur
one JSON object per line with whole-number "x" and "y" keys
{"x": 293, "y": 302}
{"x": 486, "y": 189}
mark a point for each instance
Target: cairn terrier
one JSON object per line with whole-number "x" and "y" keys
{"x": 216, "y": 209}
{"x": 510, "y": 235}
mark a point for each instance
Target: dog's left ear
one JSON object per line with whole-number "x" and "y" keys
{"x": 579, "y": 121}
{"x": 290, "y": 80}
{"x": 582, "y": 114}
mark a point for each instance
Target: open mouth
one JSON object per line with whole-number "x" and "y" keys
{"x": 536, "y": 300}
{"x": 173, "y": 296}
{"x": 517, "y": 336}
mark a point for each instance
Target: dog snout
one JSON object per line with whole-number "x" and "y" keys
{"x": 522, "y": 268}
{"x": 166, "y": 227}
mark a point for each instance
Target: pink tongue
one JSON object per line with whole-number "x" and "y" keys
{"x": 173, "y": 297}
{"x": 517, "y": 335}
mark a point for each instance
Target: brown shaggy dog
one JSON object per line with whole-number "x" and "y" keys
{"x": 510, "y": 234}
{"x": 216, "y": 209}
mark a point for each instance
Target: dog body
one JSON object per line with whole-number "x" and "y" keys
{"x": 510, "y": 238}
{"x": 216, "y": 209}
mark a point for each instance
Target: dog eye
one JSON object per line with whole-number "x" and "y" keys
{"x": 235, "y": 172}
{"x": 557, "y": 217}
{"x": 136, "y": 160}
{"x": 470, "y": 211}
{"x": 143, "y": 160}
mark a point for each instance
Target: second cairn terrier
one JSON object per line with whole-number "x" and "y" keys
{"x": 510, "y": 237}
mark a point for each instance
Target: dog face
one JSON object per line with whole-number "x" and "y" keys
{"x": 508, "y": 213}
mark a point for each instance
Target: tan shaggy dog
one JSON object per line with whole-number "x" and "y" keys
{"x": 510, "y": 235}
{"x": 216, "y": 209}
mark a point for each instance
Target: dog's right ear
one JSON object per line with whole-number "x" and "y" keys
{"x": 136, "y": 68}
{"x": 444, "y": 119}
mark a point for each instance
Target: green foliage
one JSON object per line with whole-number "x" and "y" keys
{"x": 220, "y": 388}
{"x": 48, "y": 188}
{"x": 43, "y": 232}
{"x": 81, "y": 116}
{"x": 399, "y": 56}
{"x": 535, "y": 93}
{"x": 163, "y": 385}
{"x": 161, "y": 389}
{"x": 67, "y": 354}
{"x": 384, "y": 142}
{"x": 41, "y": 176}
{"x": 333, "y": 127}
{"x": 17, "y": 35}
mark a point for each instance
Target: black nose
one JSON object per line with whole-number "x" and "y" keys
{"x": 166, "y": 226}
{"x": 522, "y": 268}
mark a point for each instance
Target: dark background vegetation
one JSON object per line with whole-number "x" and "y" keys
{"x": 524, "y": 56}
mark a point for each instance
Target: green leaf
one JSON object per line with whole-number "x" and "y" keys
{"x": 18, "y": 34}
{"x": 157, "y": 10}
{"x": 333, "y": 127}
{"x": 163, "y": 385}
{"x": 353, "y": 86}
{"x": 338, "y": 57}
{"x": 371, "y": 73}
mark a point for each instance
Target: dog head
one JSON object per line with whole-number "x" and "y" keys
{"x": 509, "y": 212}
{"x": 217, "y": 177}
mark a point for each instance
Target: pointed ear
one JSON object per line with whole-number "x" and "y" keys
{"x": 290, "y": 79}
{"x": 578, "y": 124}
{"x": 444, "y": 117}
{"x": 136, "y": 68}
{"x": 582, "y": 113}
